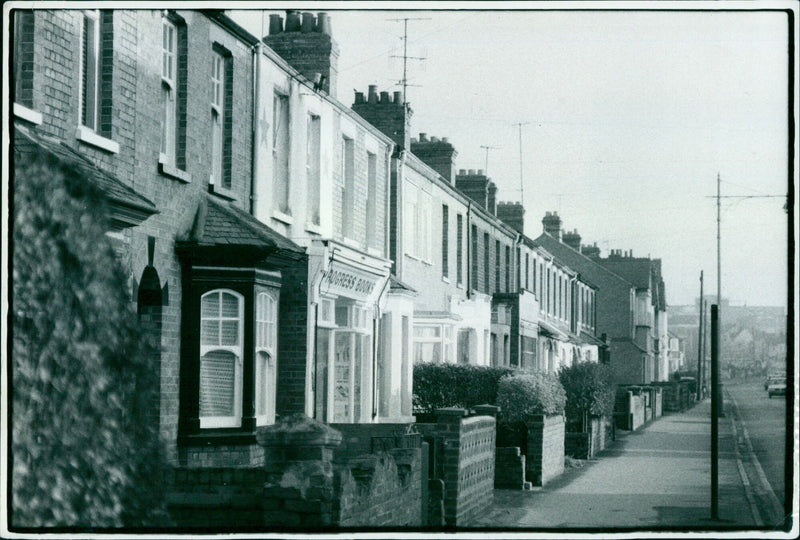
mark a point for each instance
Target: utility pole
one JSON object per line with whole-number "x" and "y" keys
{"x": 719, "y": 197}
{"x": 699, "y": 389}
{"x": 405, "y": 57}
{"x": 715, "y": 403}
{"x": 521, "y": 186}
{"x": 486, "y": 163}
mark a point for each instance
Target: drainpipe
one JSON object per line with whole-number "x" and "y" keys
{"x": 375, "y": 327}
{"x": 469, "y": 250}
{"x": 256, "y": 129}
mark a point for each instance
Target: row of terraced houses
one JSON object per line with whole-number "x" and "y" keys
{"x": 299, "y": 255}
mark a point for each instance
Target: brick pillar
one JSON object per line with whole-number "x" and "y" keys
{"x": 299, "y": 488}
{"x": 448, "y": 427}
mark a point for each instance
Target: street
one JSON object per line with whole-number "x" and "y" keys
{"x": 762, "y": 421}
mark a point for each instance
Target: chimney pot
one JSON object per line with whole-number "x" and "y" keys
{"x": 384, "y": 97}
{"x": 423, "y": 137}
{"x": 373, "y": 93}
{"x": 359, "y": 97}
{"x": 323, "y": 23}
{"x": 309, "y": 23}
{"x": 275, "y": 24}
{"x": 434, "y": 139}
{"x": 292, "y": 20}
{"x": 445, "y": 140}
{"x": 462, "y": 172}
{"x": 480, "y": 172}
{"x": 413, "y": 140}
{"x": 398, "y": 97}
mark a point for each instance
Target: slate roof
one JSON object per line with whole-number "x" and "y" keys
{"x": 572, "y": 258}
{"x": 397, "y": 285}
{"x": 219, "y": 223}
{"x": 637, "y": 271}
{"x": 27, "y": 141}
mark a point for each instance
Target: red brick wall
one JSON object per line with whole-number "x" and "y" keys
{"x": 545, "y": 457}
{"x": 468, "y": 454}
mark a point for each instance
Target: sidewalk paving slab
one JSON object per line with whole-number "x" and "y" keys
{"x": 656, "y": 478}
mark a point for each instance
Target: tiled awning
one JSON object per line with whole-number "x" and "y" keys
{"x": 552, "y": 331}
{"x": 128, "y": 207}
{"x": 224, "y": 233}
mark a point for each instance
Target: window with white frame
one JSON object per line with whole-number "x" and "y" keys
{"x": 348, "y": 189}
{"x": 266, "y": 353}
{"x": 169, "y": 90}
{"x": 218, "y": 113}
{"x": 372, "y": 228}
{"x": 312, "y": 167}
{"x": 96, "y": 63}
{"x": 280, "y": 152}
{"x": 221, "y": 325}
{"x": 434, "y": 343}
{"x": 90, "y": 69}
{"x": 418, "y": 224}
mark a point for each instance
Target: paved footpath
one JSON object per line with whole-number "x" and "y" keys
{"x": 656, "y": 478}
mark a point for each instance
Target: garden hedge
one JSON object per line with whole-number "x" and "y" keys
{"x": 590, "y": 391}
{"x": 454, "y": 385}
{"x": 522, "y": 395}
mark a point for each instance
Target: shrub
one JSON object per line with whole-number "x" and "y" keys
{"x": 590, "y": 391}
{"x": 522, "y": 395}
{"x": 454, "y": 385}
{"x": 85, "y": 450}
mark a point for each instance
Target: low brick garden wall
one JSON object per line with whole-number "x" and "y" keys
{"x": 629, "y": 409}
{"x": 545, "y": 453}
{"x": 299, "y": 486}
{"x": 587, "y": 444}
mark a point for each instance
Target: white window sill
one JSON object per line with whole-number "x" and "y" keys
{"x": 283, "y": 218}
{"x": 445, "y": 279}
{"x": 411, "y": 257}
{"x": 171, "y": 171}
{"x": 313, "y": 228}
{"x": 216, "y": 189}
{"x": 460, "y": 285}
{"x": 87, "y": 135}
{"x": 21, "y": 111}
{"x": 352, "y": 243}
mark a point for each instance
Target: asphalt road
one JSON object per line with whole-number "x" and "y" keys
{"x": 760, "y": 424}
{"x": 765, "y": 421}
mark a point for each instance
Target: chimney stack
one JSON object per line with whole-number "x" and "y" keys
{"x": 552, "y": 225}
{"x": 306, "y": 44}
{"x": 475, "y": 186}
{"x": 512, "y": 214}
{"x": 389, "y": 113}
{"x": 438, "y": 154}
{"x": 592, "y": 251}
{"x": 491, "y": 201}
{"x": 572, "y": 239}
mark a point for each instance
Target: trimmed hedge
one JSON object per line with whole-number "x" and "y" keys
{"x": 454, "y": 385}
{"x": 522, "y": 395}
{"x": 590, "y": 391}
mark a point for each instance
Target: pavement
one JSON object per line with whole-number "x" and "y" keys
{"x": 657, "y": 478}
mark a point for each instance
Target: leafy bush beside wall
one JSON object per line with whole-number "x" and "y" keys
{"x": 454, "y": 385}
{"x": 522, "y": 395}
{"x": 85, "y": 450}
{"x": 590, "y": 391}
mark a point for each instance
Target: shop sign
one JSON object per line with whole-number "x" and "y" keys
{"x": 343, "y": 281}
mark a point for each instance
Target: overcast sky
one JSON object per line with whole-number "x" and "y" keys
{"x": 630, "y": 116}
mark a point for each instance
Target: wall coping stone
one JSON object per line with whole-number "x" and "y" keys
{"x": 451, "y": 411}
{"x": 298, "y": 430}
{"x": 486, "y": 410}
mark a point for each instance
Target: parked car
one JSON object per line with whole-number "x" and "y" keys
{"x": 776, "y": 388}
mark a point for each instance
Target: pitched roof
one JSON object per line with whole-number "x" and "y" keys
{"x": 573, "y": 258}
{"x": 27, "y": 141}
{"x": 219, "y": 223}
{"x": 638, "y": 271}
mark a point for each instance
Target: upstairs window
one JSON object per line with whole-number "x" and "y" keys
{"x": 372, "y": 229}
{"x": 348, "y": 190}
{"x": 459, "y": 249}
{"x": 280, "y": 152}
{"x": 312, "y": 167}
{"x": 23, "y": 57}
{"x": 221, "y": 322}
{"x": 169, "y": 88}
{"x": 221, "y": 121}
{"x": 95, "y": 67}
{"x": 445, "y": 241}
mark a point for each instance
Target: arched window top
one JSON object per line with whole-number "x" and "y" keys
{"x": 221, "y": 316}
